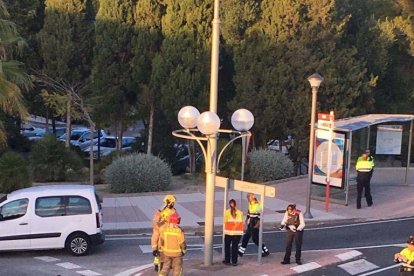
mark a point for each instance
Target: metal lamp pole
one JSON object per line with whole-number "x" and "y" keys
{"x": 315, "y": 81}
{"x": 212, "y": 142}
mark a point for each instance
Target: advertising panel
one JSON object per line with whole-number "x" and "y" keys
{"x": 389, "y": 139}
{"x": 320, "y": 162}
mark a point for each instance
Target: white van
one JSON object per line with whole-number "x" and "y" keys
{"x": 55, "y": 216}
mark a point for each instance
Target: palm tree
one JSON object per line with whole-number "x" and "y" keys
{"x": 13, "y": 77}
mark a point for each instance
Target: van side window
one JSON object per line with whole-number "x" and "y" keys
{"x": 14, "y": 209}
{"x": 77, "y": 205}
{"x": 50, "y": 206}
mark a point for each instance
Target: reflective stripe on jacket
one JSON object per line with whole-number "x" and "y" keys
{"x": 172, "y": 240}
{"x": 364, "y": 166}
{"x": 233, "y": 225}
{"x": 254, "y": 209}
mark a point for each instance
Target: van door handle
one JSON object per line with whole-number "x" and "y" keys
{"x": 23, "y": 223}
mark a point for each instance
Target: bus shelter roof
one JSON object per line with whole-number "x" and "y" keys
{"x": 355, "y": 123}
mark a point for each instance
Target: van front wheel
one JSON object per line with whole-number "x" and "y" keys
{"x": 78, "y": 244}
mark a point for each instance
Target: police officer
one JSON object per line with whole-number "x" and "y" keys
{"x": 233, "y": 230}
{"x": 364, "y": 173}
{"x": 294, "y": 223}
{"x": 172, "y": 246}
{"x": 253, "y": 225}
{"x": 160, "y": 218}
{"x": 406, "y": 257}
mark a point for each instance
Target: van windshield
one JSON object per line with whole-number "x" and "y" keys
{"x": 3, "y": 198}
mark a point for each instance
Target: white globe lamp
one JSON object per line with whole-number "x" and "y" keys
{"x": 187, "y": 117}
{"x": 208, "y": 123}
{"x": 242, "y": 120}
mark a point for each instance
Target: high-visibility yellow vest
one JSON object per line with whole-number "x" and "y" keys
{"x": 364, "y": 166}
{"x": 172, "y": 240}
{"x": 233, "y": 225}
{"x": 254, "y": 209}
{"x": 410, "y": 256}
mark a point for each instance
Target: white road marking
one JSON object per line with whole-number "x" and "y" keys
{"x": 88, "y": 273}
{"x": 306, "y": 267}
{"x": 348, "y": 255}
{"x": 358, "y": 266}
{"x": 146, "y": 248}
{"x": 47, "y": 259}
{"x": 69, "y": 265}
{"x": 134, "y": 270}
{"x": 380, "y": 270}
{"x": 135, "y": 237}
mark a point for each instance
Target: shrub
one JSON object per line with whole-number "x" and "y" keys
{"x": 138, "y": 173}
{"x": 268, "y": 165}
{"x": 14, "y": 172}
{"x": 51, "y": 161}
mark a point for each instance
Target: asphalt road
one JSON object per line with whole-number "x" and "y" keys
{"x": 376, "y": 241}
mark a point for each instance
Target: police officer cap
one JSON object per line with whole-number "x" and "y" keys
{"x": 410, "y": 240}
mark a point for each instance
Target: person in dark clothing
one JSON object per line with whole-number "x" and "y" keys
{"x": 253, "y": 226}
{"x": 364, "y": 174}
{"x": 294, "y": 223}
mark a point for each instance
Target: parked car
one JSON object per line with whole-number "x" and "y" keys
{"x": 108, "y": 145}
{"x": 181, "y": 163}
{"x": 274, "y": 144}
{"x": 55, "y": 216}
{"x": 80, "y": 137}
{"x": 29, "y": 130}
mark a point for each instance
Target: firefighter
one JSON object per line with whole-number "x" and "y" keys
{"x": 406, "y": 257}
{"x": 253, "y": 225}
{"x": 172, "y": 246}
{"x": 364, "y": 173}
{"x": 159, "y": 219}
{"x": 294, "y": 223}
{"x": 233, "y": 230}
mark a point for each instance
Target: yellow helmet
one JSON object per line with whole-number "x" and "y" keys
{"x": 169, "y": 199}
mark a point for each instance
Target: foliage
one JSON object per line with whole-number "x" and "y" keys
{"x": 14, "y": 172}
{"x": 51, "y": 161}
{"x": 268, "y": 165}
{"x": 138, "y": 173}
{"x": 12, "y": 73}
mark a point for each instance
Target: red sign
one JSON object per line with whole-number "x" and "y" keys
{"x": 325, "y": 120}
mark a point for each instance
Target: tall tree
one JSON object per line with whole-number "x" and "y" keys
{"x": 146, "y": 45}
{"x": 13, "y": 76}
{"x": 292, "y": 40}
{"x": 114, "y": 87}
{"x": 66, "y": 41}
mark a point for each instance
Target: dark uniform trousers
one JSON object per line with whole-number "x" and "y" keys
{"x": 231, "y": 244}
{"x": 363, "y": 182}
{"x": 298, "y": 235}
{"x": 253, "y": 232}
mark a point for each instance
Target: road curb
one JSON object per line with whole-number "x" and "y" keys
{"x": 199, "y": 230}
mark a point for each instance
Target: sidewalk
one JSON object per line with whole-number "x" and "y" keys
{"x": 134, "y": 214}
{"x": 391, "y": 200}
{"x": 248, "y": 265}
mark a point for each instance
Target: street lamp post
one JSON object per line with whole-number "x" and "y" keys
{"x": 315, "y": 81}
{"x": 208, "y": 124}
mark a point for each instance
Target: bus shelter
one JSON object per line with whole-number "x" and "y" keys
{"x": 389, "y": 129}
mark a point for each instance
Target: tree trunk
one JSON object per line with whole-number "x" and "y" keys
{"x": 92, "y": 127}
{"x": 151, "y": 128}
{"x": 68, "y": 121}
{"x": 47, "y": 121}
{"x": 192, "y": 156}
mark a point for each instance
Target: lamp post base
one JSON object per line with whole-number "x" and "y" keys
{"x": 308, "y": 215}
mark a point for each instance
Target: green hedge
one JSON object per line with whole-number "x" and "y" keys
{"x": 51, "y": 161}
{"x": 138, "y": 173}
{"x": 14, "y": 172}
{"x": 268, "y": 165}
